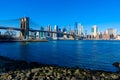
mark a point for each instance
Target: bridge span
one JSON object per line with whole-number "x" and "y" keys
{"x": 24, "y": 29}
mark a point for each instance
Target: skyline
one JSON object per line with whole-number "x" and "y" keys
{"x": 103, "y": 13}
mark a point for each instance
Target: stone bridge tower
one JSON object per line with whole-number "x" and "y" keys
{"x": 24, "y": 26}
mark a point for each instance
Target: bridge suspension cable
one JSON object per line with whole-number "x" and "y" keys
{"x": 10, "y": 23}
{"x": 9, "y": 20}
{"x": 34, "y": 25}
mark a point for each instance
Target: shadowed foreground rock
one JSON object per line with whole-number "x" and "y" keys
{"x": 21, "y": 70}
{"x": 117, "y": 65}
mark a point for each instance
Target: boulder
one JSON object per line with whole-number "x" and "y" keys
{"x": 117, "y": 65}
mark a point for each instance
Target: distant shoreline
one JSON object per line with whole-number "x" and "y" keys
{"x": 51, "y": 40}
{"x": 23, "y": 40}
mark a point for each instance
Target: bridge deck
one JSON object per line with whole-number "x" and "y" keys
{"x": 18, "y": 29}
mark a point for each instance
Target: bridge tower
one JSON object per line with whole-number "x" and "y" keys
{"x": 24, "y": 26}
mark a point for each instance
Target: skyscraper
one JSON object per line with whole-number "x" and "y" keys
{"x": 94, "y": 30}
{"x": 80, "y": 29}
{"x": 49, "y": 28}
{"x": 69, "y": 29}
{"x": 76, "y": 28}
{"x": 112, "y": 32}
{"x": 55, "y": 35}
{"x": 64, "y": 29}
{"x": 41, "y": 34}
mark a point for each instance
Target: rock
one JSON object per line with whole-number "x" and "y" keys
{"x": 49, "y": 74}
{"x": 51, "y": 77}
{"x": 117, "y": 65}
{"x": 85, "y": 78}
{"x": 54, "y": 74}
{"x": 48, "y": 78}
{"x": 84, "y": 73}
{"x": 34, "y": 78}
{"x": 46, "y": 68}
{"x": 35, "y": 70}
{"x": 73, "y": 78}
{"x": 31, "y": 75}
{"x": 94, "y": 78}
{"x": 77, "y": 72}
{"x": 51, "y": 68}
{"x": 58, "y": 75}
{"x": 40, "y": 70}
{"x": 55, "y": 79}
{"x": 114, "y": 76}
{"x": 102, "y": 75}
{"x": 69, "y": 72}
{"x": 30, "y": 71}
{"x": 102, "y": 78}
{"x": 28, "y": 74}
{"x": 67, "y": 78}
{"x": 26, "y": 78}
{"x": 9, "y": 77}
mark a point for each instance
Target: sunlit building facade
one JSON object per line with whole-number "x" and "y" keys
{"x": 55, "y": 36}
{"x": 80, "y": 29}
{"x": 94, "y": 30}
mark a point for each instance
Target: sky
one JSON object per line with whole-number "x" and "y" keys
{"x": 103, "y": 13}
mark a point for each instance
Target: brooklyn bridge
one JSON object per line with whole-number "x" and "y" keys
{"x": 24, "y": 28}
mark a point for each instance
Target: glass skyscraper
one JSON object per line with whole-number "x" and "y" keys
{"x": 76, "y": 28}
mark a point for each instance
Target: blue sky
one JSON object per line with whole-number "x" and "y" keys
{"x": 104, "y": 13}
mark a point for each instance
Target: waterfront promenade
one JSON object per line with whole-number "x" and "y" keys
{"x": 21, "y": 70}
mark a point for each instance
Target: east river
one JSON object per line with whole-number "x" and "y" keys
{"x": 89, "y": 54}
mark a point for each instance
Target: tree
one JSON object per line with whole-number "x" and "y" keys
{"x": 9, "y": 35}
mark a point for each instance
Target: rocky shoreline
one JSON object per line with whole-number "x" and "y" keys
{"x": 21, "y": 70}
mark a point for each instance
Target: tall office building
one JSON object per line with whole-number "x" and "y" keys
{"x": 37, "y": 35}
{"x": 41, "y": 34}
{"x": 49, "y": 28}
{"x": 55, "y": 36}
{"x": 76, "y": 28}
{"x": 85, "y": 33}
{"x": 59, "y": 34}
{"x": 69, "y": 29}
{"x": 112, "y": 32}
{"x": 94, "y": 30}
{"x": 80, "y": 29}
{"x": 64, "y": 30}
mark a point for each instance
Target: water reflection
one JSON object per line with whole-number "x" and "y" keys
{"x": 24, "y": 51}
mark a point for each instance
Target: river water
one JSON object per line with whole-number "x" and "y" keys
{"x": 89, "y": 54}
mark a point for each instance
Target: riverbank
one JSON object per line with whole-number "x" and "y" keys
{"x": 23, "y": 40}
{"x": 16, "y": 70}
